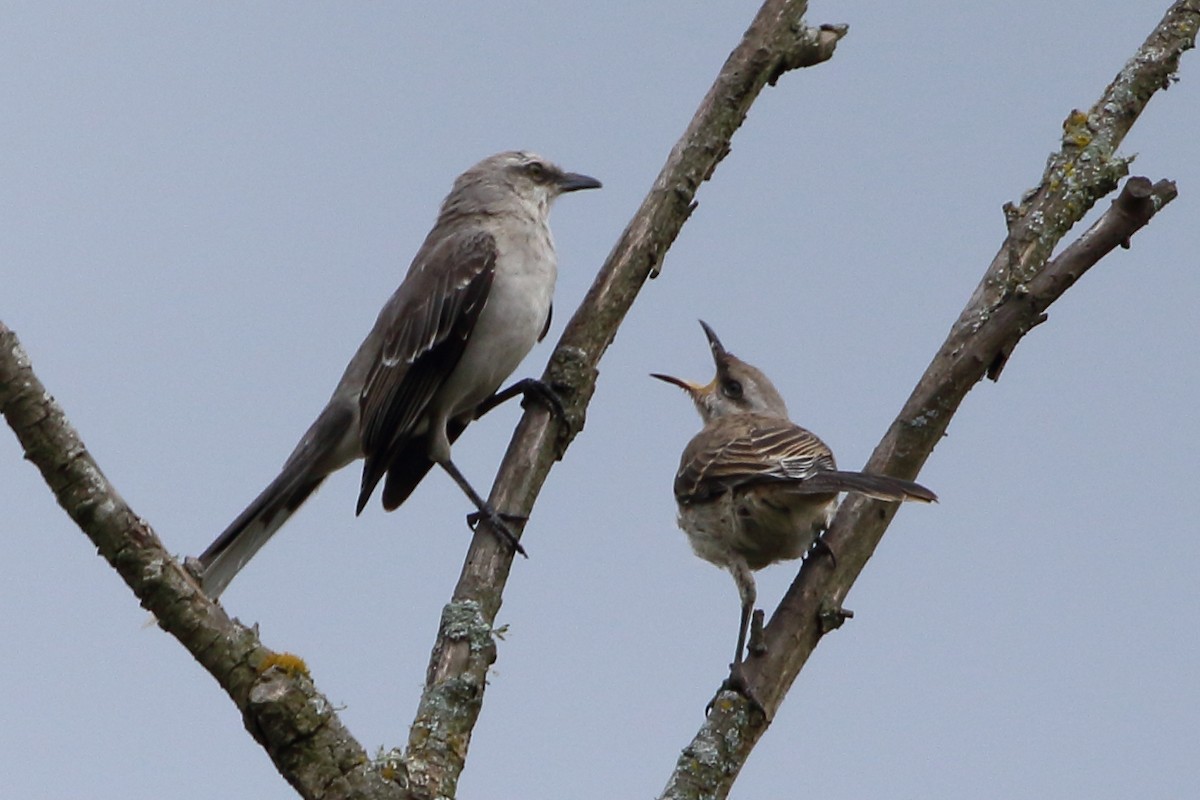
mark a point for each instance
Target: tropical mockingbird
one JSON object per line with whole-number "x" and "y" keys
{"x": 754, "y": 488}
{"x": 475, "y": 300}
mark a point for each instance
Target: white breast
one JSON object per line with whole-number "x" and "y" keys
{"x": 515, "y": 314}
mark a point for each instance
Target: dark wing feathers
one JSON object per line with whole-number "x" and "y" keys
{"x": 751, "y": 449}
{"x": 747, "y": 448}
{"x": 409, "y": 465}
{"x": 427, "y": 324}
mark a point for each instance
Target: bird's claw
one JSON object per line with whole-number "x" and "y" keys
{"x": 499, "y": 525}
{"x": 529, "y": 389}
{"x": 738, "y": 683}
{"x": 539, "y": 390}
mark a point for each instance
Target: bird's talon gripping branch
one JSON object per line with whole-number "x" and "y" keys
{"x": 474, "y": 517}
{"x": 542, "y": 392}
{"x": 529, "y": 389}
{"x": 738, "y": 683}
{"x": 499, "y": 525}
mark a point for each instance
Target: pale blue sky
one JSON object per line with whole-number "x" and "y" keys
{"x": 205, "y": 205}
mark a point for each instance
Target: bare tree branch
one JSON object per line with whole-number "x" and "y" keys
{"x": 1010, "y": 300}
{"x": 297, "y": 725}
{"x": 776, "y": 42}
{"x": 280, "y": 706}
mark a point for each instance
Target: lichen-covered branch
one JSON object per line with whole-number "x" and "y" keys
{"x": 280, "y": 706}
{"x": 776, "y": 42}
{"x": 1017, "y": 288}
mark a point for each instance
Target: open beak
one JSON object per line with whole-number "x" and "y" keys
{"x": 573, "y": 182}
{"x": 687, "y": 386}
{"x": 720, "y": 354}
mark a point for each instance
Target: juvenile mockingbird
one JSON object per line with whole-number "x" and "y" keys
{"x": 474, "y": 302}
{"x": 753, "y": 488}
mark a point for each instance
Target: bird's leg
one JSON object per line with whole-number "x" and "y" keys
{"x": 494, "y": 518}
{"x": 530, "y": 388}
{"x": 736, "y": 682}
{"x": 748, "y": 592}
{"x": 743, "y": 627}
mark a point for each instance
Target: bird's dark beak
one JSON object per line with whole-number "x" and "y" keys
{"x": 687, "y": 386}
{"x": 720, "y": 354}
{"x": 573, "y": 182}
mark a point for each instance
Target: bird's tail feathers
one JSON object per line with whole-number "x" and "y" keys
{"x": 880, "y": 487}
{"x": 319, "y": 453}
{"x": 247, "y": 534}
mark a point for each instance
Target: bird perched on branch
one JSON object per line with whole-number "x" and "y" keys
{"x": 753, "y": 488}
{"x": 475, "y": 300}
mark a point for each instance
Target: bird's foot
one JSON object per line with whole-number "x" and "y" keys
{"x": 544, "y": 393}
{"x": 499, "y": 523}
{"x": 530, "y": 389}
{"x": 475, "y": 516}
{"x": 739, "y": 683}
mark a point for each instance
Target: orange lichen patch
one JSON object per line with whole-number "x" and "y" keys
{"x": 1075, "y": 129}
{"x": 288, "y": 662}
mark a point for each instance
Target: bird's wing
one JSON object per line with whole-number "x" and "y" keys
{"x": 743, "y": 449}
{"x": 424, "y": 329}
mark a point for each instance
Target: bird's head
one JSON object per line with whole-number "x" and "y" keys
{"x": 511, "y": 181}
{"x": 737, "y": 388}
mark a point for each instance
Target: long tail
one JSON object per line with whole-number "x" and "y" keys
{"x": 881, "y": 487}
{"x": 322, "y": 451}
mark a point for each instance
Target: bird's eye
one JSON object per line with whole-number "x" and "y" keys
{"x": 537, "y": 171}
{"x": 732, "y": 389}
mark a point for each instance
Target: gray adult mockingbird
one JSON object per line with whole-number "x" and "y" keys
{"x": 475, "y": 300}
{"x": 753, "y": 488}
